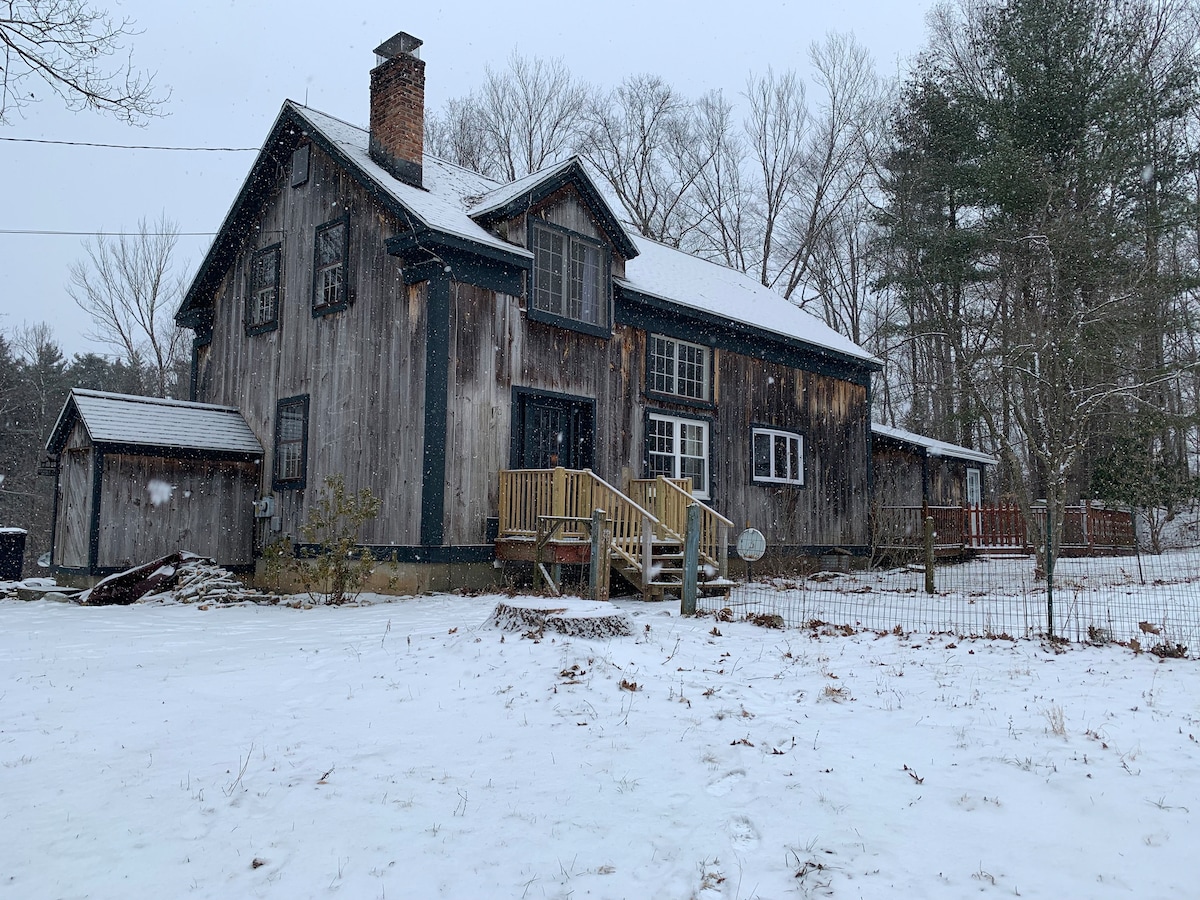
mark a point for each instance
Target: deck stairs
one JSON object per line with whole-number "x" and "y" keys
{"x": 645, "y": 527}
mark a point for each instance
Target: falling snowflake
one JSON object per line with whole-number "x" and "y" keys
{"x": 160, "y": 491}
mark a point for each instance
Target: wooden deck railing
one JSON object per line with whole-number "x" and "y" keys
{"x": 526, "y": 494}
{"x": 670, "y": 499}
{"x": 1085, "y": 528}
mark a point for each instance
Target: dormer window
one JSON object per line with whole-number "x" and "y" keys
{"x": 570, "y": 284}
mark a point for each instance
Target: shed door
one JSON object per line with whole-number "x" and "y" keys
{"x": 553, "y": 431}
{"x": 74, "y": 508}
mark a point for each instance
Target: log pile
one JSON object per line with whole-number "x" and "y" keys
{"x": 201, "y": 581}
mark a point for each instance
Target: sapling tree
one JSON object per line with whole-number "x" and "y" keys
{"x": 329, "y": 564}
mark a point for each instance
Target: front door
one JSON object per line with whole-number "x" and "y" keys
{"x": 553, "y": 430}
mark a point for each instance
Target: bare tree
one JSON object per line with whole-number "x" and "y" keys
{"x": 75, "y": 49}
{"x": 641, "y": 138}
{"x": 130, "y": 288}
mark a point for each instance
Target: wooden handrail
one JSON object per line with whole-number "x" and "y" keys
{"x": 714, "y": 527}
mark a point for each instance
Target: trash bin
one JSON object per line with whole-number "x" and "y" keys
{"x": 12, "y": 553}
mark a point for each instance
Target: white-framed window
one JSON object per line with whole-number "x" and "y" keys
{"x": 678, "y": 448}
{"x": 568, "y": 277}
{"x": 329, "y": 266}
{"x": 778, "y": 456}
{"x": 262, "y": 289}
{"x": 680, "y": 368}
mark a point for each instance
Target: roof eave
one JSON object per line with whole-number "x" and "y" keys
{"x": 866, "y": 364}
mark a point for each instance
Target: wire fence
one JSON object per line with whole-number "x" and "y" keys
{"x": 1148, "y": 602}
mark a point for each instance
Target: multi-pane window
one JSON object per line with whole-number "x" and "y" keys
{"x": 329, "y": 276}
{"x": 262, "y": 289}
{"x": 568, "y": 277}
{"x": 678, "y": 448}
{"x": 778, "y": 456}
{"x": 679, "y": 368}
{"x": 291, "y": 442}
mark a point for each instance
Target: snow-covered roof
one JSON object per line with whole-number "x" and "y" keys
{"x": 451, "y": 196}
{"x": 933, "y": 447}
{"x": 448, "y": 189}
{"x": 154, "y": 422}
{"x": 504, "y": 194}
{"x": 689, "y": 281}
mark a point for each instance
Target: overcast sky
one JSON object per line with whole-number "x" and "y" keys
{"x": 230, "y": 65}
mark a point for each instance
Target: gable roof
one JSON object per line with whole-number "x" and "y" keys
{"x": 930, "y": 446}
{"x": 439, "y": 206}
{"x": 456, "y": 204}
{"x": 685, "y": 280}
{"x": 519, "y": 196}
{"x": 129, "y": 420}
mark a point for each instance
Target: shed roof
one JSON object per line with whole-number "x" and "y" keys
{"x": 931, "y": 446}
{"x": 153, "y": 422}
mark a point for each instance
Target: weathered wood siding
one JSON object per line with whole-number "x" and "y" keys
{"x": 363, "y": 368}
{"x": 74, "y": 514}
{"x": 831, "y": 508}
{"x": 495, "y": 347}
{"x": 898, "y": 479}
{"x": 208, "y": 510}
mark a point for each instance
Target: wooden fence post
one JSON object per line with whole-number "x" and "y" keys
{"x": 691, "y": 561}
{"x": 598, "y": 581}
{"x": 929, "y": 554}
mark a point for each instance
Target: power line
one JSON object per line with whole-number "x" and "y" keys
{"x": 108, "y": 233}
{"x": 131, "y": 146}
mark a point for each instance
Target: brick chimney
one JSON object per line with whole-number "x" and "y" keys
{"x": 398, "y": 108}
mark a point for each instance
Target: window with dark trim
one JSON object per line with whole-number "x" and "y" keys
{"x": 778, "y": 456}
{"x": 329, "y": 266}
{"x": 569, "y": 278}
{"x": 300, "y": 164}
{"x": 262, "y": 290}
{"x": 291, "y": 443}
{"x": 679, "y": 367}
{"x": 678, "y": 448}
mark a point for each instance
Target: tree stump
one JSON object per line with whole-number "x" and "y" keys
{"x": 568, "y": 616}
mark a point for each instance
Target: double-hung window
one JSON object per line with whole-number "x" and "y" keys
{"x": 262, "y": 290}
{"x": 678, "y": 448}
{"x": 291, "y": 442}
{"x": 679, "y": 368}
{"x": 778, "y": 456}
{"x": 568, "y": 278}
{"x": 329, "y": 267}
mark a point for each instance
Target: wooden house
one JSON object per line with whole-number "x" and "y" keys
{"x": 485, "y": 356}
{"x": 139, "y": 478}
{"x": 914, "y": 470}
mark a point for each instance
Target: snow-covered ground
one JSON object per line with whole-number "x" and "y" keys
{"x": 409, "y": 749}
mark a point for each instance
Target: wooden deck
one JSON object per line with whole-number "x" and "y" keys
{"x": 645, "y": 525}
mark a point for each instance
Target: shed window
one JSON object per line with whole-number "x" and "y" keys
{"x": 778, "y": 456}
{"x": 568, "y": 277}
{"x": 678, "y": 448}
{"x": 329, "y": 267}
{"x": 291, "y": 442}
{"x": 262, "y": 290}
{"x": 679, "y": 367}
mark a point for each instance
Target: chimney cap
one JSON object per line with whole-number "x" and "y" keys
{"x": 400, "y": 44}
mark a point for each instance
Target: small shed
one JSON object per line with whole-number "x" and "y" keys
{"x": 141, "y": 477}
{"x": 911, "y": 470}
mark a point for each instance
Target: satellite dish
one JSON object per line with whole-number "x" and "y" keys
{"x": 751, "y": 545}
